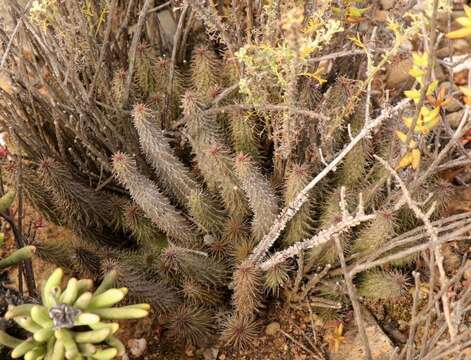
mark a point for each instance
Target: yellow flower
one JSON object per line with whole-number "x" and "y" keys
{"x": 465, "y": 22}
{"x": 414, "y": 94}
{"x": 420, "y": 62}
{"x": 312, "y": 26}
{"x": 411, "y": 158}
{"x": 403, "y": 138}
{"x": 305, "y": 51}
{"x": 427, "y": 120}
{"x": 405, "y": 161}
{"x": 467, "y": 94}
{"x": 335, "y": 338}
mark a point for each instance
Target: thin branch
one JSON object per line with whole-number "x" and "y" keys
{"x": 354, "y": 299}
{"x": 337, "y": 55}
{"x": 257, "y": 107}
{"x": 133, "y": 49}
{"x": 425, "y": 218}
{"x": 413, "y": 326}
{"x": 322, "y": 237}
{"x": 288, "y": 213}
{"x": 160, "y": 7}
{"x": 176, "y": 42}
{"x": 13, "y": 35}
{"x": 106, "y": 41}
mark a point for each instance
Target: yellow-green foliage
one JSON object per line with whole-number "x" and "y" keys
{"x": 17, "y": 257}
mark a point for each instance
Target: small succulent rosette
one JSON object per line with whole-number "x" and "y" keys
{"x": 72, "y": 323}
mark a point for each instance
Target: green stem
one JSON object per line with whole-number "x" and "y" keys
{"x": 17, "y": 257}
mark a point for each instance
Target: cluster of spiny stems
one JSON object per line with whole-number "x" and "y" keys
{"x": 225, "y": 161}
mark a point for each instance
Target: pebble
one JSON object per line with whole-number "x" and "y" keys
{"x": 380, "y": 16}
{"x": 460, "y": 45}
{"x": 455, "y": 118}
{"x": 137, "y": 347}
{"x": 210, "y": 354}
{"x": 272, "y": 328}
{"x": 453, "y": 105}
{"x": 387, "y": 4}
{"x": 398, "y": 72}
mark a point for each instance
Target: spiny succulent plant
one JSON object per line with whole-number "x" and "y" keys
{"x": 200, "y": 294}
{"x": 175, "y": 177}
{"x": 72, "y": 322}
{"x": 172, "y": 163}
{"x": 154, "y": 203}
{"x": 245, "y": 134}
{"x": 276, "y": 278}
{"x": 261, "y": 197}
{"x": 89, "y": 209}
{"x": 142, "y": 228}
{"x": 247, "y": 284}
{"x": 374, "y": 234}
{"x": 240, "y": 331}
{"x": 130, "y": 272}
{"x": 144, "y": 68}
{"x": 204, "y": 70}
{"x": 387, "y": 285}
{"x": 302, "y": 225}
{"x": 196, "y": 265}
{"x": 191, "y": 324}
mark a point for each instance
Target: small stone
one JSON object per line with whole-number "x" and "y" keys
{"x": 443, "y": 52}
{"x": 453, "y": 105}
{"x": 222, "y": 357}
{"x": 380, "y": 16}
{"x": 272, "y": 328}
{"x": 387, "y": 4}
{"x": 137, "y": 347}
{"x": 461, "y": 45}
{"x": 454, "y": 119}
{"x": 210, "y": 354}
{"x": 398, "y": 72}
{"x": 189, "y": 351}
